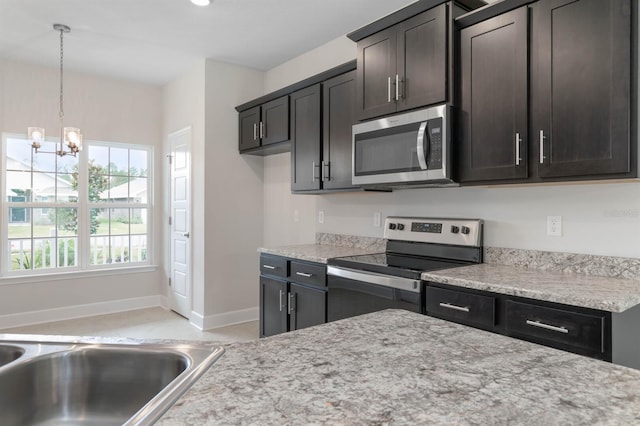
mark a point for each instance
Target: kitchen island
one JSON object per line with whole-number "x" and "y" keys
{"x": 398, "y": 367}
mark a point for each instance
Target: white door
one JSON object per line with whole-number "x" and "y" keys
{"x": 180, "y": 165}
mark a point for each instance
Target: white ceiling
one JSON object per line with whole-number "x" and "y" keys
{"x": 153, "y": 41}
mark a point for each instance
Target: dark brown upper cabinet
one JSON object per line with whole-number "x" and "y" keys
{"x": 338, "y": 116}
{"x": 264, "y": 125}
{"x": 581, "y": 87}
{"x": 306, "y": 126}
{"x": 573, "y": 59}
{"x": 494, "y": 98}
{"x": 403, "y": 66}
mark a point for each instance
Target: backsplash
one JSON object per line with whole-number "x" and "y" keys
{"x": 586, "y": 264}
{"x": 376, "y": 245}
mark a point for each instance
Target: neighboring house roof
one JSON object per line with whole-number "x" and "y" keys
{"x": 44, "y": 184}
{"x": 135, "y": 189}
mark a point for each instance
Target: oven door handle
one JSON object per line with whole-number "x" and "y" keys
{"x": 420, "y": 151}
{"x": 399, "y": 283}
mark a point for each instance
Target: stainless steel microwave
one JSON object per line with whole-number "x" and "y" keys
{"x": 406, "y": 149}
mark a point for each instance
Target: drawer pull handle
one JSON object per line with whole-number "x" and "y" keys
{"x": 547, "y": 326}
{"x": 454, "y": 307}
{"x": 281, "y": 303}
{"x": 304, "y": 274}
{"x": 269, "y": 267}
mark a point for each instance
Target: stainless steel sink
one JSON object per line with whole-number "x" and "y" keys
{"x": 9, "y": 353}
{"x": 49, "y": 383}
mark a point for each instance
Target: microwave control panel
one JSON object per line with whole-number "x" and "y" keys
{"x": 434, "y": 130}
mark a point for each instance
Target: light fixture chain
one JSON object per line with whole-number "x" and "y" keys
{"x": 61, "y": 74}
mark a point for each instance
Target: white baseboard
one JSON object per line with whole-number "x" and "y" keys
{"x": 81, "y": 311}
{"x": 224, "y": 319}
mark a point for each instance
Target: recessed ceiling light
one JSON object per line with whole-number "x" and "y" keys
{"x": 201, "y": 2}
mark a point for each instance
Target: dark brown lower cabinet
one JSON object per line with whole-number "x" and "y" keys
{"x": 571, "y": 328}
{"x": 308, "y": 306}
{"x": 273, "y": 306}
{"x": 293, "y": 295}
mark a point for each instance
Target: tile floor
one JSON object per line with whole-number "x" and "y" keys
{"x": 151, "y": 323}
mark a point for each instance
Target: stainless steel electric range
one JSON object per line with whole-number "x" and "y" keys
{"x": 369, "y": 283}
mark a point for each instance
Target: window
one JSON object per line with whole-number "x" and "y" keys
{"x": 67, "y": 213}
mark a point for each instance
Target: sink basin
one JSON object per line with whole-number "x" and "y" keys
{"x": 9, "y": 353}
{"x": 89, "y": 384}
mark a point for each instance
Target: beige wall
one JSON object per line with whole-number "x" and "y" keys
{"x": 183, "y": 106}
{"x": 227, "y": 190}
{"x": 106, "y": 110}
{"x": 600, "y": 219}
{"x": 233, "y": 199}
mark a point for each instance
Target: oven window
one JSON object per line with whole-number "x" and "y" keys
{"x": 348, "y": 298}
{"x": 392, "y": 150}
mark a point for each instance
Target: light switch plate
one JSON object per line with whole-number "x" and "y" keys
{"x": 321, "y": 216}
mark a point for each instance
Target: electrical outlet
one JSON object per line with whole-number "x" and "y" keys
{"x": 554, "y": 226}
{"x": 321, "y": 216}
{"x": 377, "y": 219}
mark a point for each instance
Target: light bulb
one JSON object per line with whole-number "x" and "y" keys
{"x": 201, "y": 2}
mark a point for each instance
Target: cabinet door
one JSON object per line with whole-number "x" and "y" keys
{"x": 493, "y": 98}
{"x": 581, "y": 70}
{"x": 422, "y": 59}
{"x": 338, "y": 117}
{"x": 273, "y": 306}
{"x": 376, "y": 74}
{"x": 275, "y": 121}
{"x": 307, "y": 306}
{"x": 306, "y": 136}
{"x": 249, "y": 132}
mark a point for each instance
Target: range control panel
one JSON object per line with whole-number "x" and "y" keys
{"x": 461, "y": 232}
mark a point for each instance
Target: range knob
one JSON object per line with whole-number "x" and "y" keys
{"x": 465, "y": 230}
{"x": 455, "y": 229}
{"x": 392, "y": 226}
{"x": 400, "y": 227}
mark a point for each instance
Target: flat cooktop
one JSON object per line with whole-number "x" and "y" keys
{"x": 394, "y": 264}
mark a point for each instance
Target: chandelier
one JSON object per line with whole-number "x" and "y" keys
{"x": 70, "y": 137}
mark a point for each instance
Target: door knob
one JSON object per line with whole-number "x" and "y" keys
{"x": 186, "y": 234}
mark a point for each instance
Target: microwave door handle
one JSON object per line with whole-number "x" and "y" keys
{"x": 421, "y": 153}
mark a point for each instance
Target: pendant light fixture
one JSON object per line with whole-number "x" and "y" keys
{"x": 70, "y": 137}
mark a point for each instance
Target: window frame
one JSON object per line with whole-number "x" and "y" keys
{"x": 84, "y": 206}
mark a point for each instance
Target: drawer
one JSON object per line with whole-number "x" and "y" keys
{"x": 274, "y": 265}
{"x": 460, "y": 306}
{"x": 308, "y": 273}
{"x": 533, "y": 322}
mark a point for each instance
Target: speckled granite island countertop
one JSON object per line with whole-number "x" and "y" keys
{"x": 604, "y": 293}
{"x": 398, "y": 367}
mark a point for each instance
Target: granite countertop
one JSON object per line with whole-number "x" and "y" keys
{"x": 315, "y": 252}
{"x": 604, "y": 293}
{"x": 398, "y": 367}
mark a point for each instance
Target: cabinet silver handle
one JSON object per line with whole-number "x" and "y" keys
{"x": 397, "y": 87}
{"x": 263, "y": 132}
{"x": 326, "y": 172}
{"x": 269, "y": 267}
{"x": 314, "y": 176}
{"x": 389, "y": 89}
{"x": 292, "y": 303}
{"x": 454, "y": 307}
{"x": 304, "y": 274}
{"x": 518, "y": 140}
{"x": 186, "y": 234}
{"x": 281, "y": 301}
{"x": 255, "y": 131}
{"x": 547, "y": 326}
{"x": 542, "y": 136}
